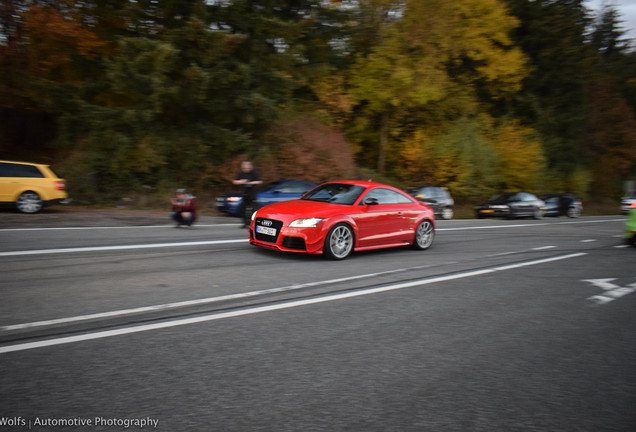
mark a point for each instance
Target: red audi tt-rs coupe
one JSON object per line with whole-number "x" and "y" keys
{"x": 337, "y": 218}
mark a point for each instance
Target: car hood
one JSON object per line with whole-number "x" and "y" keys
{"x": 288, "y": 211}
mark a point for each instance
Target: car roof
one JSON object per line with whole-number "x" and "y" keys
{"x": 22, "y": 162}
{"x": 364, "y": 183}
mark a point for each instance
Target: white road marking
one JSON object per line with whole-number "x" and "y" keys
{"x": 237, "y": 224}
{"x": 605, "y": 284}
{"x": 540, "y": 248}
{"x": 611, "y": 290}
{"x": 119, "y": 247}
{"x": 530, "y": 225}
{"x": 208, "y": 300}
{"x": 274, "y": 307}
{"x": 217, "y": 242}
{"x": 543, "y": 248}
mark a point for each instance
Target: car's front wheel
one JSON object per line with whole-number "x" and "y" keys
{"x": 29, "y": 202}
{"x": 424, "y": 235}
{"x": 339, "y": 242}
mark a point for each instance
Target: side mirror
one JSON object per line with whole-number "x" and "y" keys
{"x": 371, "y": 201}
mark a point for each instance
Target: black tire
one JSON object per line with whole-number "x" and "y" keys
{"x": 339, "y": 242}
{"x": 424, "y": 235}
{"x": 29, "y": 202}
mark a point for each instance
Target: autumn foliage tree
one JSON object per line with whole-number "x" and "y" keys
{"x": 480, "y": 96}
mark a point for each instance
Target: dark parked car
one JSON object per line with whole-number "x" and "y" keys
{"x": 282, "y": 190}
{"x": 437, "y": 198}
{"x": 562, "y": 204}
{"x": 512, "y": 205}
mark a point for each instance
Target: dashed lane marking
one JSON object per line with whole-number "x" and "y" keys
{"x": 275, "y": 307}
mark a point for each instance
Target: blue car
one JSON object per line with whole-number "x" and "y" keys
{"x": 282, "y": 190}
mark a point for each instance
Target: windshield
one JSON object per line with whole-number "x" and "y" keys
{"x": 501, "y": 199}
{"x": 335, "y": 193}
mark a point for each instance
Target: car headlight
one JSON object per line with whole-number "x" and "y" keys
{"x": 305, "y": 223}
{"x": 254, "y": 215}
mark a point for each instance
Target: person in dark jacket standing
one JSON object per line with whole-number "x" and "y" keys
{"x": 248, "y": 178}
{"x": 184, "y": 208}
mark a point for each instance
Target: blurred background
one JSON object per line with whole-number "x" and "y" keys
{"x": 128, "y": 100}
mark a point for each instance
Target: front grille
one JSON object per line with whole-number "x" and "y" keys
{"x": 262, "y": 224}
{"x": 297, "y": 243}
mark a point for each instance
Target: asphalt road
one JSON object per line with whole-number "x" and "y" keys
{"x": 501, "y": 326}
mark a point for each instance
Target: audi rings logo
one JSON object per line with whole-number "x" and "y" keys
{"x": 266, "y": 223}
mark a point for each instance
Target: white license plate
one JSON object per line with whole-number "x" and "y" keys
{"x": 266, "y": 230}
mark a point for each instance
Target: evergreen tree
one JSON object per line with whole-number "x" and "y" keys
{"x": 553, "y": 35}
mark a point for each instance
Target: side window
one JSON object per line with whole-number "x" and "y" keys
{"x": 387, "y": 196}
{"x": 527, "y": 197}
{"x": 26, "y": 171}
{"x": 285, "y": 188}
{"x": 426, "y": 192}
{"x": 6, "y": 170}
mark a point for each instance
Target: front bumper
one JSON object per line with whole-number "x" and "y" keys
{"x": 492, "y": 212}
{"x": 304, "y": 240}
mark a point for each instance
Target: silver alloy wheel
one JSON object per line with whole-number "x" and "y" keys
{"x": 424, "y": 235}
{"x": 447, "y": 213}
{"x": 573, "y": 212}
{"x": 29, "y": 202}
{"x": 538, "y": 213}
{"x": 339, "y": 242}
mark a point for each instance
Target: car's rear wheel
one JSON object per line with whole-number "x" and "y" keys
{"x": 339, "y": 242}
{"x": 424, "y": 235}
{"x": 29, "y": 202}
{"x": 447, "y": 213}
{"x": 537, "y": 213}
{"x": 573, "y": 212}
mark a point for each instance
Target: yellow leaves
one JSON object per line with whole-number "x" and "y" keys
{"x": 54, "y": 39}
{"x": 473, "y": 156}
{"x": 520, "y": 155}
{"x": 477, "y": 30}
{"x": 331, "y": 92}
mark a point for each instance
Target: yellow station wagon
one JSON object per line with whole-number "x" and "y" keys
{"x": 30, "y": 186}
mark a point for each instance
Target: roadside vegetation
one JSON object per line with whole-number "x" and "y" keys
{"x": 130, "y": 99}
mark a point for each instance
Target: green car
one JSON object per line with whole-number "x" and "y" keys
{"x": 630, "y": 226}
